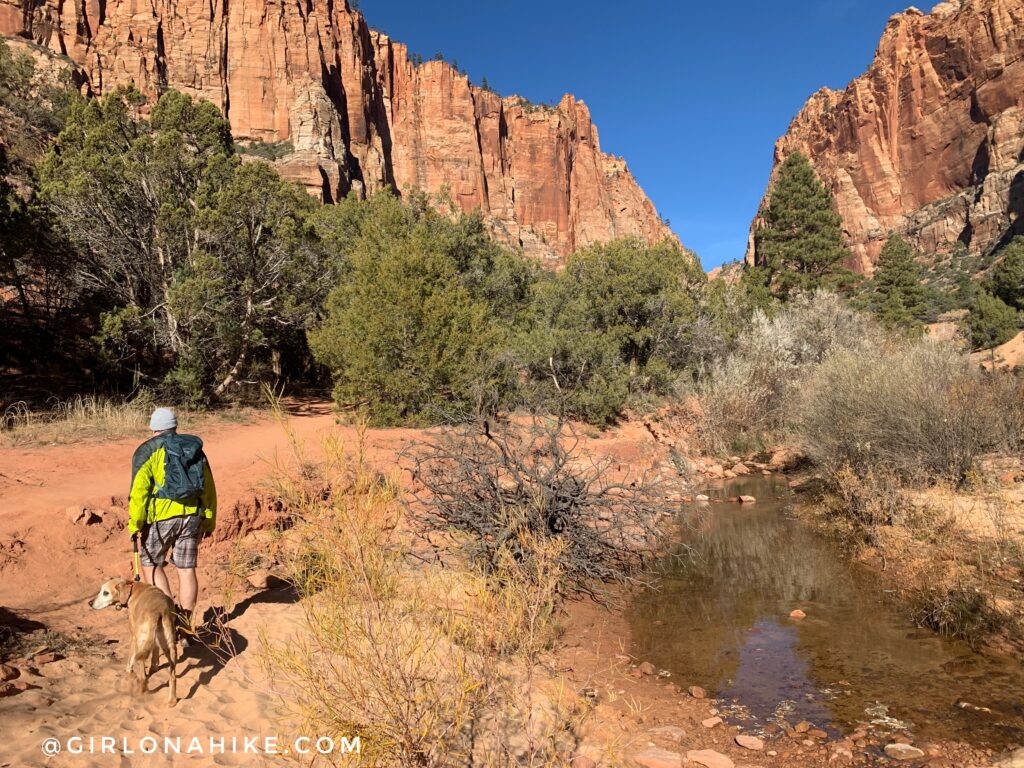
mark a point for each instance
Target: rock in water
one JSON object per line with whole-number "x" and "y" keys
{"x": 797, "y": 614}
{"x": 750, "y": 742}
{"x": 655, "y": 757}
{"x": 903, "y": 752}
{"x": 709, "y": 758}
{"x": 747, "y": 499}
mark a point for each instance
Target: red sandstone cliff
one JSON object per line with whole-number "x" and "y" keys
{"x": 357, "y": 112}
{"x": 929, "y": 142}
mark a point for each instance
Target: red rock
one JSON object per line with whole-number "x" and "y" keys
{"x": 740, "y": 469}
{"x": 709, "y": 758}
{"x": 47, "y": 658}
{"x": 582, "y": 761}
{"x": 928, "y": 141}
{"x": 797, "y": 614}
{"x": 358, "y": 113}
{"x": 750, "y": 742}
{"x": 746, "y": 499}
{"x": 803, "y": 727}
{"x": 711, "y": 722}
{"x": 817, "y": 733}
{"x": 697, "y": 692}
{"x": 8, "y": 673}
{"x": 655, "y": 757}
{"x": 13, "y": 688}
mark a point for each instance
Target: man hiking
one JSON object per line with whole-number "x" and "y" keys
{"x": 172, "y": 505}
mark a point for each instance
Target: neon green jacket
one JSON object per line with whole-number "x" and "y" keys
{"x": 148, "y": 473}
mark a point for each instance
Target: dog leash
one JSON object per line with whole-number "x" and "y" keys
{"x": 135, "y": 555}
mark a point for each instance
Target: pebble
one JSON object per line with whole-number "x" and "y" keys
{"x": 709, "y": 758}
{"x": 898, "y": 751}
{"x": 750, "y": 742}
{"x": 655, "y": 757}
{"x": 803, "y": 727}
{"x": 697, "y": 692}
{"x": 817, "y": 733}
{"x": 711, "y": 722}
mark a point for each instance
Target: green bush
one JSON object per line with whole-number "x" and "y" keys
{"x": 612, "y": 326}
{"x": 404, "y": 336}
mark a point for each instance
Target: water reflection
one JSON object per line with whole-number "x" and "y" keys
{"x": 721, "y": 620}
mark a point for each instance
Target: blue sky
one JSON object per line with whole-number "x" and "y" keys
{"x": 692, "y": 94}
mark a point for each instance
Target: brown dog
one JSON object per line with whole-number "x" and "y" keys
{"x": 151, "y": 624}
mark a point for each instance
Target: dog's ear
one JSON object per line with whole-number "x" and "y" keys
{"x": 122, "y": 590}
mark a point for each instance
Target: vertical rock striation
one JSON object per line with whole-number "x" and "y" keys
{"x": 929, "y": 142}
{"x": 349, "y": 110}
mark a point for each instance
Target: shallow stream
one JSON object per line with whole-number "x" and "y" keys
{"x": 720, "y": 619}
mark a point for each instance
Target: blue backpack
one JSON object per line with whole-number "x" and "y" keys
{"x": 184, "y": 468}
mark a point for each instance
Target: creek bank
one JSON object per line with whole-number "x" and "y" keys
{"x": 659, "y": 717}
{"x": 952, "y": 559}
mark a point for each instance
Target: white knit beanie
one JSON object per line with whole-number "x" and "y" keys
{"x": 162, "y": 419}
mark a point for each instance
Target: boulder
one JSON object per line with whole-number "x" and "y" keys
{"x": 739, "y": 469}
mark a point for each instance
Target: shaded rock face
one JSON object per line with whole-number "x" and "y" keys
{"x": 356, "y": 112}
{"x": 928, "y": 142}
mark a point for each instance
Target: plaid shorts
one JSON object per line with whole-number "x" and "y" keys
{"x": 179, "y": 535}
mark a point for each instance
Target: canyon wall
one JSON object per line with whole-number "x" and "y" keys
{"x": 348, "y": 109}
{"x": 929, "y": 142}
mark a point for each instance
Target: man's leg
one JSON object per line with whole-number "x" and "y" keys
{"x": 155, "y": 575}
{"x": 188, "y": 588}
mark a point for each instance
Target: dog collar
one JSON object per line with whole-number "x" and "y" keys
{"x": 131, "y": 587}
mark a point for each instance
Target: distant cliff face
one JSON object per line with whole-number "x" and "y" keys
{"x": 929, "y": 142}
{"x": 356, "y": 112}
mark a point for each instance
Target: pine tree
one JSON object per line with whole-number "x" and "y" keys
{"x": 899, "y": 296}
{"x": 801, "y": 243}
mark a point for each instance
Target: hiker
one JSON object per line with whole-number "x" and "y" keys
{"x": 172, "y": 505}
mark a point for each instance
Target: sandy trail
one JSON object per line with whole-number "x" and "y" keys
{"x": 51, "y": 566}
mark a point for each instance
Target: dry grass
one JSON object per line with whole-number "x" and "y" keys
{"x": 427, "y": 665}
{"x": 93, "y": 417}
